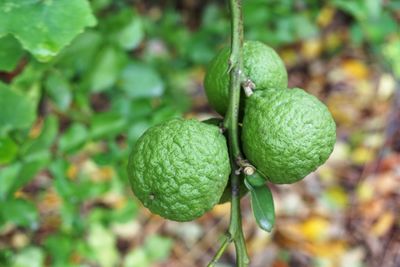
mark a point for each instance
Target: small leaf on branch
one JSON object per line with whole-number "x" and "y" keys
{"x": 262, "y": 204}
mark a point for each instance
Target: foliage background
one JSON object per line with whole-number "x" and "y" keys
{"x": 81, "y": 81}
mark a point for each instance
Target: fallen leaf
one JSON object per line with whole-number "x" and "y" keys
{"x": 383, "y": 225}
{"x": 355, "y": 69}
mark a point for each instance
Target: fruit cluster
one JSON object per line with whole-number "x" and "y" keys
{"x": 179, "y": 169}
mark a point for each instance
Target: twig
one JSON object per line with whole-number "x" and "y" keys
{"x": 235, "y": 231}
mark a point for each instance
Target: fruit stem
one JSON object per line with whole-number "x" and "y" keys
{"x": 235, "y": 231}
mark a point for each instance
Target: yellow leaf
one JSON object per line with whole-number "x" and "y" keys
{"x": 72, "y": 172}
{"x": 333, "y": 40}
{"x": 311, "y": 48}
{"x": 337, "y": 196}
{"x": 325, "y": 16}
{"x": 20, "y": 194}
{"x": 36, "y": 129}
{"x": 355, "y": 68}
{"x": 362, "y": 155}
{"x": 343, "y": 109}
{"x": 383, "y": 225}
{"x": 365, "y": 191}
{"x": 315, "y": 229}
{"x": 289, "y": 56}
{"x": 332, "y": 249}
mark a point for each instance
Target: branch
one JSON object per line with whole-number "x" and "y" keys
{"x": 235, "y": 231}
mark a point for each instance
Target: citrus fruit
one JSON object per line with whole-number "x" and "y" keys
{"x": 287, "y": 133}
{"x": 179, "y": 169}
{"x": 261, "y": 64}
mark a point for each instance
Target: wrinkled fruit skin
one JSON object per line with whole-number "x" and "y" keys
{"x": 287, "y": 133}
{"x": 179, "y": 169}
{"x": 261, "y": 65}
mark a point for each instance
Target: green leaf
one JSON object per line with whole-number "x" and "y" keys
{"x": 10, "y": 53}
{"x": 102, "y": 242}
{"x": 34, "y": 149}
{"x": 29, "y": 169}
{"x": 262, "y": 204}
{"x": 19, "y": 212}
{"x": 58, "y": 88}
{"x": 32, "y": 257}
{"x": 14, "y": 176}
{"x": 73, "y": 138}
{"x": 60, "y": 247}
{"x": 45, "y": 27}
{"x": 8, "y": 175}
{"x": 8, "y": 150}
{"x": 107, "y": 124}
{"x": 79, "y": 56}
{"x": 17, "y": 110}
{"x": 125, "y": 28}
{"x": 137, "y": 129}
{"x": 157, "y": 247}
{"x": 255, "y": 180}
{"x": 137, "y": 258}
{"x": 106, "y": 68}
{"x": 139, "y": 80}
{"x": 130, "y": 36}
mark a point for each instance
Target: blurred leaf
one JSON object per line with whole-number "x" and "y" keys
{"x": 336, "y": 198}
{"x": 35, "y": 148}
{"x": 107, "y": 124}
{"x": 315, "y": 229}
{"x": 10, "y": 53}
{"x": 377, "y": 30}
{"x": 355, "y": 8}
{"x": 157, "y": 247}
{"x": 126, "y": 29}
{"x": 27, "y": 171}
{"x": 79, "y": 56}
{"x": 165, "y": 113}
{"x": 355, "y": 69}
{"x": 262, "y": 205}
{"x": 31, "y": 256}
{"x": 102, "y": 243}
{"x": 63, "y": 21}
{"x": 59, "y": 90}
{"x": 137, "y": 258}
{"x": 8, "y": 150}
{"x": 98, "y": 5}
{"x": 19, "y": 212}
{"x": 391, "y": 52}
{"x": 17, "y": 111}
{"x": 8, "y": 175}
{"x": 74, "y": 137}
{"x": 384, "y": 224}
{"x": 374, "y": 8}
{"x": 137, "y": 129}
{"x": 60, "y": 247}
{"x": 106, "y": 68}
{"x": 139, "y": 80}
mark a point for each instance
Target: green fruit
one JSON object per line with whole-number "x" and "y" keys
{"x": 287, "y": 133}
{"x": 179, "y": 169}
{"x": 261, "y": 64}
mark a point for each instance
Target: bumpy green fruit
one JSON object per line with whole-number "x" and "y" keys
{"x": 261, "y": 64}
{"x": 287, "y": 133}
{"x": 179, "y": 169}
